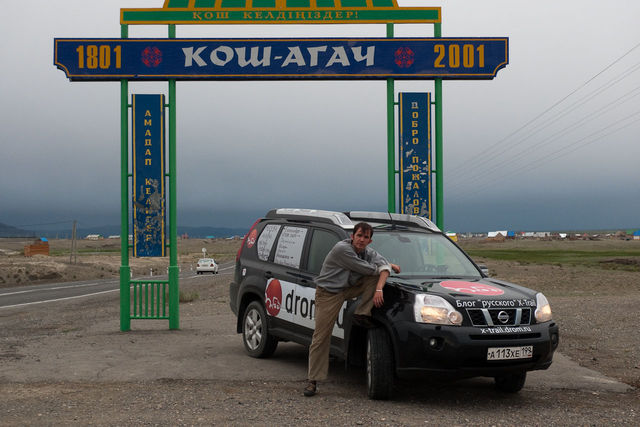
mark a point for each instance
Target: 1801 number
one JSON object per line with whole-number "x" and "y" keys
{"x": 99, "y": 56}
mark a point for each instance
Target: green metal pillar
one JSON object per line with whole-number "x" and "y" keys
{"x": 439, "y": 159}
{"x": 391, "y": 146}
{"x": 125, "y": 270}
{"x": 174, "y": 289}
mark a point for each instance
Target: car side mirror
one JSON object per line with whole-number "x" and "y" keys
{"x": 484, "y": 269}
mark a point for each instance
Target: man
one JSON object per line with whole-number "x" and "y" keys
{"x": 350, "y": 269}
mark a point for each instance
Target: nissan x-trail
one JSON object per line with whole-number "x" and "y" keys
{"x": 441, "y": 313}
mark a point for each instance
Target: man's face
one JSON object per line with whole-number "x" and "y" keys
{"x": 360, "y": 240}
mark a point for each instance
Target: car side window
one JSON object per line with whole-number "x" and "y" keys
{"x": 266, "y": 240}
{"x": 290, "y": 245}
{"x": 321, "y": 243}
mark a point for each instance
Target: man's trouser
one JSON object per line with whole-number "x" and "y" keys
{"x": 327, "y": 309}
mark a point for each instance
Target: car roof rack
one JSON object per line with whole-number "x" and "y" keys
{"x": 337, "y": 218}
{"x": 394, "y": 218}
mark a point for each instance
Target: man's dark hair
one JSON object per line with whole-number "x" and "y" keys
{"x": 364, "y": 227}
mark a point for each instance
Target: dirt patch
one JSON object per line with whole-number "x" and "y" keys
{"x": 96, "y": 260}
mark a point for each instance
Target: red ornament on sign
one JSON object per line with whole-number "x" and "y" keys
{"x": 404, "y": 57}
{"x": 151, "y": 56}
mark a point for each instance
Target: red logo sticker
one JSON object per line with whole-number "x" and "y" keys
{"x": 471, "y": 287}
{"x": 273, "y": 297}
{"x": 251, "y": 238}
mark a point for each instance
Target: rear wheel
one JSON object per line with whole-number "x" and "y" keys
{"x": 380, "y": 372}
{"x": 511, "y": 383}
{"x": 255, "y": 332}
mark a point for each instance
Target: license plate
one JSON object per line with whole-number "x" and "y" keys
{"x": 510, "y": 353}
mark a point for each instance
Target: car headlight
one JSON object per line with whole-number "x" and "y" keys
{"x": 436, "y": 310}
{"x": 543, "y": 310}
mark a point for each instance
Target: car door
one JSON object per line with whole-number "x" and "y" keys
{"x": 288, "y": 301}
{"x": 321, "y": 242}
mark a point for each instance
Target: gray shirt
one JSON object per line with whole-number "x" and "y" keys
{"x": 343, "y": 267}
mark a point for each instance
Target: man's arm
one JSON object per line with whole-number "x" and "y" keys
{"x": 378, "y": 298}
{"x": 349, "y": 260}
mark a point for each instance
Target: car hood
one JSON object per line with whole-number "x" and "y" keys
{"x": 472, "y": 293}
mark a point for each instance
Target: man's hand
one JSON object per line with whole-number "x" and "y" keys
{"x": 395, "y": 268}
{"x": 378, "y": 299}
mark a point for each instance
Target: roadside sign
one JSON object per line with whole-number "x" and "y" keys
{"x": 415, "y": 153}
{"x": 148, "y": 175}
{"x": 280, "y": 59}
{"x": 280, "y": 12}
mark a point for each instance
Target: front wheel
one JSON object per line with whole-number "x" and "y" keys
{"x": 511, "y": 383}
{"x": 380, "y": 368}
{"x": 255, "y": 332}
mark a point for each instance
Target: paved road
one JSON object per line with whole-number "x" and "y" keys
{"x": 47, "y": 293}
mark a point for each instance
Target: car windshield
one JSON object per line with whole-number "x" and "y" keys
{"x": 205, "y": 260}
{"x": 423, "y": 254}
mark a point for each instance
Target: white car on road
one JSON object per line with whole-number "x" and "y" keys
{"x": 207, "y": 265}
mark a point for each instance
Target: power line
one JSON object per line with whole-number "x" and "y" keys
{"x": 536, "y": 163}
{"x": 515, "y": 158}
{"x": 466, "y": 164}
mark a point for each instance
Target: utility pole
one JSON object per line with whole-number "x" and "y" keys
{"x": 73, "y": 258}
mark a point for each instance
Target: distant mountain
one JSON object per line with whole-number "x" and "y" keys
{"x": 112, "y": 230}
{"x": 9, "y": 231}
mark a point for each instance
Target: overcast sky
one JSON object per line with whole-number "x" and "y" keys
{"x": 550, "y": 144}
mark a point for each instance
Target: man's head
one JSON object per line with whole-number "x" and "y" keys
{"x": 361, "y": 236}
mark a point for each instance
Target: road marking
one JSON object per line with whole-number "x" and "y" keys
{"x": 56, "y": 288}
{"x": 58, "y": 299}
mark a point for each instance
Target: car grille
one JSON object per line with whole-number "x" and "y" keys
{"x": 499, "y": 316}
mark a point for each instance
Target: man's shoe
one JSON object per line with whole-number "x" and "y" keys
{"x": 310, "y": 389}
{"x": 364, "y": 321}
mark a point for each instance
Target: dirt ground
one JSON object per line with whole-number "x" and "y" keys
{"x": 96, "y": 259}
{"x": 595, "y": 308}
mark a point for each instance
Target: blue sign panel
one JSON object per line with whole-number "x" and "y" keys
{"x": 415, "y": 153}
{"x": 256, "y": 59}
{"x": 148, "y": 175}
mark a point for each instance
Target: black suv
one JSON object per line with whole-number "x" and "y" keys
{"x": 441, "y": 314}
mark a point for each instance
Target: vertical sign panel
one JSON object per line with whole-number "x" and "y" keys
{"x": 148, "y": 175}
{"x": 415, "y": 153}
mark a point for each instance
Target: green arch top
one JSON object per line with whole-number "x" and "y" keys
{"x": 280, "y": 12}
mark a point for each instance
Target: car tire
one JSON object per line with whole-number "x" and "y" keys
{"x": 255, "y": 332}
{"x": 380, "y": 368}
{"x": 511, "y": 383}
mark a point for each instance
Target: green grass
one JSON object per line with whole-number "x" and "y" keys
{"x": 607, "y": 259}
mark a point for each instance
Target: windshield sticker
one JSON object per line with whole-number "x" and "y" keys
{"x": 505, "y": 330}
{"x": 471, "y": 287}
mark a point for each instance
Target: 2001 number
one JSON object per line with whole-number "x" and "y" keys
{"x": 467, "y": 55}
{"x": 93, "y": 56}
